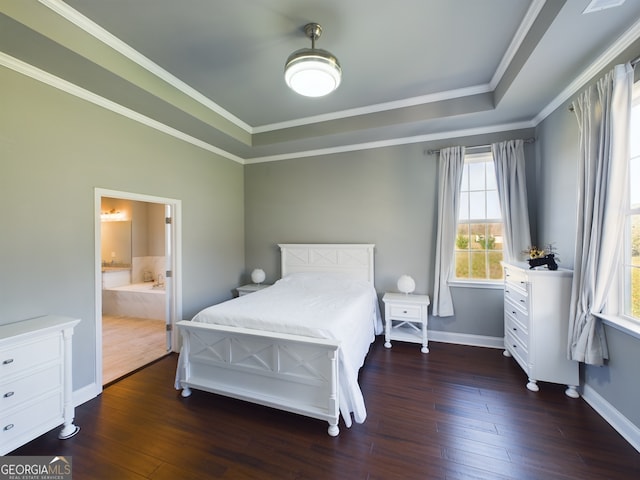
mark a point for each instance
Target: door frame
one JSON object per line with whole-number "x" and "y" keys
{"x": 175, "y": 291}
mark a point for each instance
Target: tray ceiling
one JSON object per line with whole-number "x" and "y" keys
{"x": 211, "y": 72}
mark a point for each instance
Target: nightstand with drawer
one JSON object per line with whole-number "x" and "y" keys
{"x": 406, "y": 319}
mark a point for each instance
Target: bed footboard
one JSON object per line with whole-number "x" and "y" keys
{"x": 289, "y": 372}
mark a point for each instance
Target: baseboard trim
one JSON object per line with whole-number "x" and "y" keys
{"x": 629, "y": 431}
{"x": 466, "y": 339}
{"x": 85, "y": 394}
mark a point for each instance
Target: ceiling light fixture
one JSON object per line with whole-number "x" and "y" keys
{"x": 312, "y": 72}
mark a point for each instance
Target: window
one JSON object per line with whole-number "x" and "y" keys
{"x": 478, "y": 249}
{"x": 631, "y": 251}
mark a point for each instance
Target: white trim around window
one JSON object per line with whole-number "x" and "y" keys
{"x": 630, "y": 327}
{"x": 488, "y": 285}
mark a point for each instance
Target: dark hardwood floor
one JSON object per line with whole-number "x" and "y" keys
{"x": 456, "y": 413}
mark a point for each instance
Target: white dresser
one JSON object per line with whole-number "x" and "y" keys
{"x": 35, "y": 380}
{"x": 536, "y": 319}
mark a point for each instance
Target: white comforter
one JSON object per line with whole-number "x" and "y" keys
{"x": 320, "y": 305}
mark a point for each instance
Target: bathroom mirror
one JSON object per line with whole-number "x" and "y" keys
{"x": 116, "y": 244}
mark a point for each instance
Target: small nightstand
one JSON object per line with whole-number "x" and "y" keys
{"x": 406, "y": 319}
{"x": 250, "y": 288}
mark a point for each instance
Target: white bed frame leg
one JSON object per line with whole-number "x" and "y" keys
{"x": 333, "y": 430}
{"x": 186, "y": 392}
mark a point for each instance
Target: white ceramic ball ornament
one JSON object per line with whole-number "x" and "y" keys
{"x": 258, "y": 276}
{"x": 406, "y": 284}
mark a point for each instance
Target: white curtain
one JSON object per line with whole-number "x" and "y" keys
{"x": 451, "y": 167}
{"x": 603, "y": 112}
{"x": 508, "y": 158}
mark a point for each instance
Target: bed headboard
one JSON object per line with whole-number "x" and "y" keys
{"x": 353, "y": 258}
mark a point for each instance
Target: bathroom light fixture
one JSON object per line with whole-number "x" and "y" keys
{"x": 112, "y": 216}
{"x": 312, "y": 72}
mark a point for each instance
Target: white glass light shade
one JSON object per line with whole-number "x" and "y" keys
{"x": 258, "y": 276}
{"x": 406, "y": 284}
{"x": 312, "y": 72}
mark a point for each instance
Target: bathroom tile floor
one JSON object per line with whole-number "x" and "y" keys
{"x": 130, "y": 343}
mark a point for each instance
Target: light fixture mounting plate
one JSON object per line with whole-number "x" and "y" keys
{"x": 313, "y": 31}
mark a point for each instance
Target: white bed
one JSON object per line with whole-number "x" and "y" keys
{"x": 297, "y": 345}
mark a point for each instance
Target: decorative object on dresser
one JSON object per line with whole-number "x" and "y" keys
{"x": 540, "y": 258}
{"x": 536, "y": 318}
{"x": 405, "y": 319}
{"x": 548, "y": 261}
{"x": 35, "y": 380}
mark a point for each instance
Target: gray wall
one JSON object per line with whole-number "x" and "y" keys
{"x": 617, "y": 381}
{"x": 385, "y": 196}
{"x": 55, "y": 150}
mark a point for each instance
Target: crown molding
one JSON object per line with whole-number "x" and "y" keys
{"x": 521, "y": 33}
{"x": 516, "y": 41}
{"x": 619, "y": 46}
{"x": 40, "y": 75}
{"x": 95, "y": 30}
{"x": 376, "y": 108}
{"x": 44, "y": 77}
{"x": 430, "y": 137}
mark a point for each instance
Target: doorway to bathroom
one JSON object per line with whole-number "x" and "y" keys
{"x": 137, "y": 280}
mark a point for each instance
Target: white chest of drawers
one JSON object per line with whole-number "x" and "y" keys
{"x": 35, "y": 380}
{"x": 536, "y": 322}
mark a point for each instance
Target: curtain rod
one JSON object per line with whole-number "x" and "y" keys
{"x": 433, "y": 152}
{"x": 633, "y": 63}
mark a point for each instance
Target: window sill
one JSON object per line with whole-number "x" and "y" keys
{"x": 623, "y": 324}
{"x": 498, "y": 285}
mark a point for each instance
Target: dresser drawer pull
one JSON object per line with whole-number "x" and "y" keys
{"x": 404, "y": 311}
{"x": 8, "y": 427}
{"x": 522, "y": 300}
{"x": 7, "y": 361}
{"x": 8, "y": 394}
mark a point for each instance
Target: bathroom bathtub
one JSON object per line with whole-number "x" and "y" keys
{"x": 138, "y": 300}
